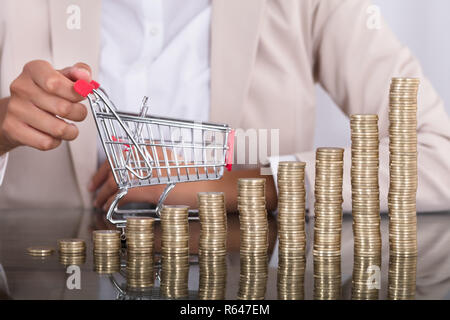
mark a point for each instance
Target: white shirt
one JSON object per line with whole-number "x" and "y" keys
{"x": 159, "y": 49}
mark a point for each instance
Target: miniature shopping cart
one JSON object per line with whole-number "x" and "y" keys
{"x": 143, "y": 150}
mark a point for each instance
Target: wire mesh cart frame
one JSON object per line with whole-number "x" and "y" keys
{"x": 144, "y": 150}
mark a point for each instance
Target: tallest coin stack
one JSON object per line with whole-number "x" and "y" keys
{"x": 403, "y": 185}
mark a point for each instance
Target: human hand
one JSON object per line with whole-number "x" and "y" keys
{"x": 41, "y": 98}
{"x": 103, "y": 182}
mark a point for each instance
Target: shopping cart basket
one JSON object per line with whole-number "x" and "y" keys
{"x": 143, "y": 150}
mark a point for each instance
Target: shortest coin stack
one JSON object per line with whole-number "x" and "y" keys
{"x": 72, "y": 251}
{"x": 40, "y": 251}
{"x": 291, "y": 230}
{"x": 254, "y": 238}
{"x": 106, "y": 251}
{"x": 212, "y": 245}
{"x": 174, "y": 251}
{"x": 140, "y": 238}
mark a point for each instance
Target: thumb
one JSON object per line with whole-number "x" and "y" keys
{"x": 78, "y": 71}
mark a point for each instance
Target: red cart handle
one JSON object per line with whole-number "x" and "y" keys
{"x": 84, "y": 88}
{"x": 229, "y": 156}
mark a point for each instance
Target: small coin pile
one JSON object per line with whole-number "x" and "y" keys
{"x": 254, "y": 238}
{"x": 212, "y": 245}
{"x": 291, "y": 230}
{"x": 140, "y": 239}
{"x": 72, "y": 251}
{"x": 328, "y": 223}
{"x": 106, "y": 251}
{"x": 365, "y": 202}
{"x": 403, "y": 166}
{"x": 402, "y": 277}
{"x": 40, "y": 251}
{"x": 174, "y": 251}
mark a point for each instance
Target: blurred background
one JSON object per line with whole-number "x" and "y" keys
{"x": 423, "y": 26}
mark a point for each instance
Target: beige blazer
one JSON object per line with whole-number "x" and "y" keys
{"x": 266, "y": 57}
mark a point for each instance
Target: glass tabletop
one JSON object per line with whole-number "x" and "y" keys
{"x": 26, "y": 277}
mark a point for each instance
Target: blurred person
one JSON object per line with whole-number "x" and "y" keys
{"x": 250, "y": 64}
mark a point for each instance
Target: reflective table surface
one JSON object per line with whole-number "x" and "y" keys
{"x": 25, "y": 277}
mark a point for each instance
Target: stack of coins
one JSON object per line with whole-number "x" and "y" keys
{"x": 403, "y": 166}
{"x": 72, "y": 251}
{"x": 140, "y": 238}
{"x": 106, "y": 251}
{"x": 174, "y": 251}
{"x": 68, "y": 260}
{"x": 254, "y": 238}
{"x": 402, "y": 277}
{"x": 365, "y": 203}
{"x": 402, "y": 187}
{"x": 328, "y": 223}
{"x": 72, "y": 246}
{"x": 40, "y": 251}
{"x": 106, "y": 241}
{"x": 212, "y": 245}
{"x": 291, "y": 230}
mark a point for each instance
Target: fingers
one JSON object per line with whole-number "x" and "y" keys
{"x": 52, "y": 81}
{"x": 45, "y": 122}
{"x": 56, "y": 105}
{"x": 41, "y": 97}
{"x": 110, "y": 200}
{"x": 100, "y": 176}
{"x": 104, "y": 181}
{"x": 26, "y": 88}
{"x": 26, "y": 135}
{"x": 108, "y": 189}
{"x": 78, "y": 71}
{"x": 123, "y": 201}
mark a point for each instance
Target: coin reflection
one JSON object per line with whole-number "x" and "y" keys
{"x": 402, "y": 277}
{"x": 366, "y": 277}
